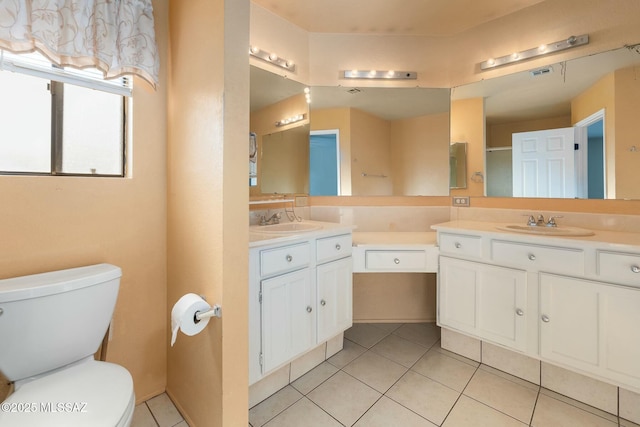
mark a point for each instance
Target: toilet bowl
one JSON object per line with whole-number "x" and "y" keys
{"x": 51, "y": 325}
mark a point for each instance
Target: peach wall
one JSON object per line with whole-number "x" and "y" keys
{"x": 274, "y": 34}
{"x": 499, "y": 135}
{"x": 449, "y": 62}
{"x": 627, "y": 95}
{"x": 467, "y": 125}
{"x": 207, "y": 233}
{"x": 419, "y": 155}
{"x": 51, "y": 223}
{"x": 370, "y": 153}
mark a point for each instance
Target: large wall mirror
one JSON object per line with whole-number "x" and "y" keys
{"x": 364, "y": 141}
{"x": 568, "y": 130}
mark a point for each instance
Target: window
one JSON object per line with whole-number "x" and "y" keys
{"x": 60, "y": 122}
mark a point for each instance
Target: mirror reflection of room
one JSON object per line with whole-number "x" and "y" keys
{"x": 580, "y": 111}
{"x": 362, "y": 141}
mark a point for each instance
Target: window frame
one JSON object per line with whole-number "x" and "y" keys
{"x": 56, "y": 78}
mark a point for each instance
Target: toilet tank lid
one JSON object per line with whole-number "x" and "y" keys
{"x": 54, "y": 282}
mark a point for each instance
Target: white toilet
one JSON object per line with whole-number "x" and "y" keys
{"x": 51, "y": 325}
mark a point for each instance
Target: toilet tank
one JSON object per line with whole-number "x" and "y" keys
{"x": 50, "y": 320}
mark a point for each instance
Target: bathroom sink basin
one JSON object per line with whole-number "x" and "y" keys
{"x": 289, "y": 227}
{"x": 546, "y": 231}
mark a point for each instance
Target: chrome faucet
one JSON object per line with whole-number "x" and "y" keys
{"x": 540, "y": 221}
{"x": 552, "y": 221}
{"x": 274, "y": 219}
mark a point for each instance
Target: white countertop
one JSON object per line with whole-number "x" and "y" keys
{"x": 615, "y": 239}
{"x": 257, "y": 236}
{"x": 394, "y": 238}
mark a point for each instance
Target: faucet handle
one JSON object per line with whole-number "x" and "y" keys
{"x": 552, "y": 220}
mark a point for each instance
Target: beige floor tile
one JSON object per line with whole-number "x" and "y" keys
{"x": 399, "y": 350}
{"x": 425, "y": 334}
{"x": 550, "y": 412}
{"x": 424, "y": 396}
{"x": 471, "y": 413}
{"x": 142, "y": 417}
{"x": 345, "y": 356}
{"x": 579, "y": 405}
{"x": 269, "y": 408}
{"x": 182, "y": 424}
{"x": 627, "y": 423}
{"x": 303, "y": 413}
{"x": 314, "y": 378}
{"x": 444, "y": 369}
{"x": 365, "y": 334}
{"x": 388, "y": 327}
{"x": 164, "y": 411}
{"x": 502, "y": 394}
{"x": 375, "y": 371}
{"x": 344, "y": 398}
{"x": 438, "y": 347}
{"x": 387, "y": 413}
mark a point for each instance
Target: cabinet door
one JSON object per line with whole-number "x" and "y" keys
{"x": 335, "y": 307}
{"x": 591, "y": 326}
{"x": 484, "y": 300}
{"x": 288, "y": 320}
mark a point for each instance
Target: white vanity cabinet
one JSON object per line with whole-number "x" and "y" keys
{"x": 300, "y": 296}
{"x": 573, "y": 302}
{"x": 592, "y": 326}
{"x": 484, "y": 300}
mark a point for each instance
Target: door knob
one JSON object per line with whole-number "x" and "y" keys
{"x": 545, "y": 318}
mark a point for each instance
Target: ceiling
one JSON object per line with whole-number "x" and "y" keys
{"x": 435, "y": 18}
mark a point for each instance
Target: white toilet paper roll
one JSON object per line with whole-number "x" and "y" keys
{"x": 183, "y": 316}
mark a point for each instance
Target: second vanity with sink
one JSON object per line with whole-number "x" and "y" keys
{"x": 300, "y": 292}
{"x": 569, "y": 299}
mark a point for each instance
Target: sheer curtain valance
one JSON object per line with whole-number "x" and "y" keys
{"x": 115, "y": 36}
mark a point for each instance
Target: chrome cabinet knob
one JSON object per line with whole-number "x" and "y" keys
{"x": 338, "y": 247}
{"x": 309, "y": 309}
{"x": 532, "y": 257}
{"x": 396, "y": 260}
{"x": 519, "y": 312}
{"x": 545, "y": 318}
{"x": 635, "y": 269}
{"x": 289, "y": 258}
{"x": 458, "y": 245}
{"x": 323, "y": 303}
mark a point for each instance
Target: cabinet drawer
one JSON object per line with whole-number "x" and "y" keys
{"x": 538, "y": 257}
{"x": 618, "y": 267}
{"x": 334, "y": 247}
{"x": 286, "y": 258}
{"x": 396, "y": 260}
{"x": 461, "y": 244}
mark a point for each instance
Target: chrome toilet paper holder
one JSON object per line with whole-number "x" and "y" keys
{"x": 216, "y": 311}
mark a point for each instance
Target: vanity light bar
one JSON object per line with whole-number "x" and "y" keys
{"x": 544, "y": 49}
{"x": 272, "y": 58}
{"x": 380, "y": 75}
{"x": 290, "y": 120}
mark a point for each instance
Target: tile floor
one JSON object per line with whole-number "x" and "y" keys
{"x": 398, "y": 375}
{"x": 158, "y": 412}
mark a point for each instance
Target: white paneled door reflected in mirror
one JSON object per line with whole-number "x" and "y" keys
{"x": 567, "y": 130}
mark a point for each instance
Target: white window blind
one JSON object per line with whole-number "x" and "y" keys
{"x": 34, "y": 64}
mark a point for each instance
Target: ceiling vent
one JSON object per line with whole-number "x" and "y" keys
{"x": 541, "y": 71}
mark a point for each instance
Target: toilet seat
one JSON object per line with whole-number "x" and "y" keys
{"x": 92, "y": 393}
